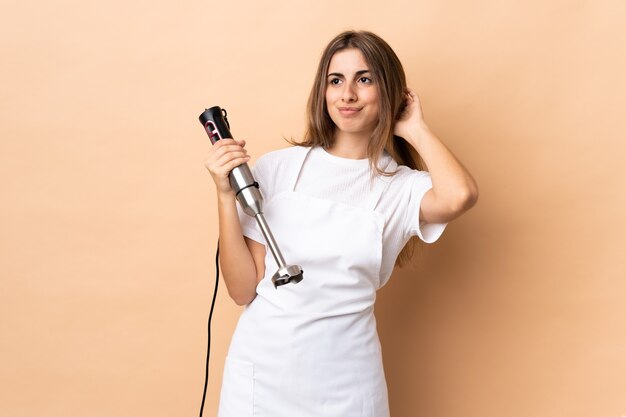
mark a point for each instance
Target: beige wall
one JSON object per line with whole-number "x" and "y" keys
{"x": 108, "y": 219}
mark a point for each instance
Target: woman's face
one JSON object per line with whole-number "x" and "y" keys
{"x": 351, "y": 93}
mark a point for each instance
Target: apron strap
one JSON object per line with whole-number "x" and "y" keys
{"x": 298, "y": 161}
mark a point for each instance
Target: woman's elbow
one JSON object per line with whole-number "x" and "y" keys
{"x": 242, "y": 301}
{"x": 242, "y": 298}
{"x": 471, "y": 197}
{"x": 465, "y": 200}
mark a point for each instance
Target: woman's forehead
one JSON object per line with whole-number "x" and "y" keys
{"x": 347, "y": 61}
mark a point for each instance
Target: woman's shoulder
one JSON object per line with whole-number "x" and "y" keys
{"x": 279, "y": 161}
{"x": 404, "y": 170}
{"x": 280, "y": 157}
{"x": 275, "y": 169}
{"x": 283, "y": 153}
{"x": 405, "y": 176}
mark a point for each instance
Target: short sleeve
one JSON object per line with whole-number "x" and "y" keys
{"x": 414, "y": 226}
{"x": 249, "y": 225}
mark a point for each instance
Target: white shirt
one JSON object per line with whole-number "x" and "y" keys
{"x": 347, "y": 181}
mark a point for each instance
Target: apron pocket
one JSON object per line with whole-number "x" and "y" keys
{"x": 237, "y": 394}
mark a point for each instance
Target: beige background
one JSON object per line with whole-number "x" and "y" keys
{"x": 108, "y": 218}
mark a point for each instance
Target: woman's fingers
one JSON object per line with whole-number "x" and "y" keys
{"x": 225, "y": 150}
{"x": 411, "y": 95}
{"x": 230, "y": 156}
{"x": 225, "y": 155}
{"x": 229, "y": 153}
{"x": 226, "y": 146}
{"x": 236, "y": 162}
{"x": 229, "y": 142}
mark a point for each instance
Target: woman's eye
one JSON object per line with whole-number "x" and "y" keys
{"x": 335, "y": 81}
{"x": 365, "y": 80}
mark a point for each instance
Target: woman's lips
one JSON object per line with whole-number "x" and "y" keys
{"x": 349, "y": 111}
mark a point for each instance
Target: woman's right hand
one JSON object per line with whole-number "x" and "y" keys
{"x": 225, "y": 155}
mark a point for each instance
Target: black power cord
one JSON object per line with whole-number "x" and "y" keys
{"x": 208, "y": 349}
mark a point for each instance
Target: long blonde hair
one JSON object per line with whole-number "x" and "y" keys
{"x": 390, "y": 80}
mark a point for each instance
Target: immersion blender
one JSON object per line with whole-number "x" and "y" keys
{"x": 248, "y": 194}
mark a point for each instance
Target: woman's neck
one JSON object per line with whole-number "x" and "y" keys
{"x": 350, "y": 146}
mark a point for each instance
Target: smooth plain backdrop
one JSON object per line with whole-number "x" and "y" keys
{"x": 108, "y": 221}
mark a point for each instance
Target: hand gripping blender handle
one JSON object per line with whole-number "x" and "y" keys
{"x": 248, "y": 194}
{"x": 240, "y": 178}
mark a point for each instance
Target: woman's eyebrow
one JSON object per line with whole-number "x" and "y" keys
{"x": 338, "y": 74}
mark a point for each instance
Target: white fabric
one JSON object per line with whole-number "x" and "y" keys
{"x": 311, "y": 349}
{"x": 347, "y": 181}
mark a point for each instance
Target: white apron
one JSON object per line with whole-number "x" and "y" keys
{"x": 311, "y": 349}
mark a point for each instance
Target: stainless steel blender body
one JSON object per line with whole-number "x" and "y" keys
{"x": 249, "y": 196}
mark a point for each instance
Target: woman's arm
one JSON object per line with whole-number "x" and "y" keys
{"x": 239, "y": 260}
{"x": 454, "y": 190}
{"x": 239, "y": 266}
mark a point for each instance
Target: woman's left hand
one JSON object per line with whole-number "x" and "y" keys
{"x": 411, "y": 120}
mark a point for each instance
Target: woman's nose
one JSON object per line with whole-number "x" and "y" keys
{"x": 349, "y": 95}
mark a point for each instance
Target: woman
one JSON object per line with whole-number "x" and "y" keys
{"x": 342, "y": 204}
